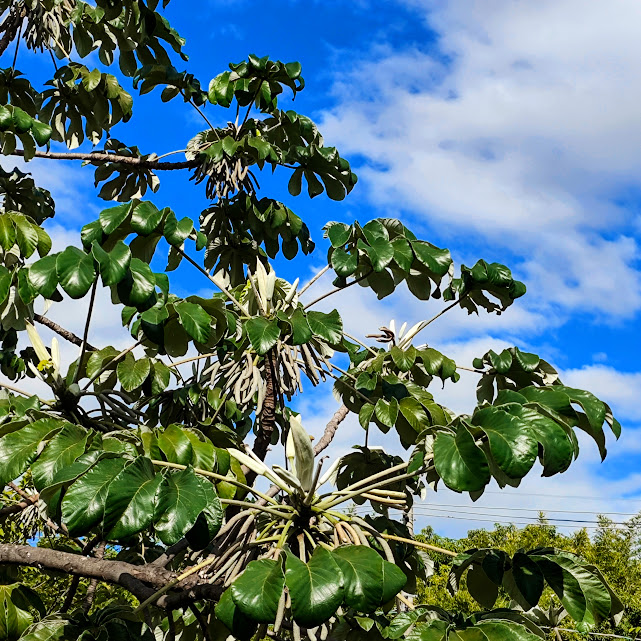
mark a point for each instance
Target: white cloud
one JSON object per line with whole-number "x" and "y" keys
{"x": 522, "y": 138}
{"x": 621, "y": 390}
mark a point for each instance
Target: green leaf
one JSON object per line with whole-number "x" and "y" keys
{"x": 26, "y": 236}
{"x": 111, "y": 219}
{"x": 19, "y": 448}
{"x": 528, "y": 579}
{"x": 60, "y": 452}
{"x": 558, "y": 449}
{"x": 196, "y": 321}
{"x": 501, "y": 362}
{"x": 386, "y": 411}
{"x": 338, "y": 234}
{"x": 180, "y": 500}
{"x": 301, "y": 332}
{"x": 145, "y": 218}
{"x": 512, "y": 444}
{"x": 295, "y": 183}
{"x": 75, "y": 271}
{"x": 256, "y": 592}
{"x": 263, "y": 333}
{"x": 413, "y": 413}
{"x": 43, "y": 276}
{"x": 241, "y": 626}
{"x": 7, "y": 232}
{"x": 176, "y": 445}
{"x": 480, "y": 587}
{"x": 83, "y": 504}
{"x": 316, "y": 587}
{"x": 131, "y": 500}
{"x": 344, "y": 264}
{"x": 139, "y": 285}
{"x": 365, "y": 415}
{"x": 363, "y": 577}
{"x": 437, "y": 260}
{"x": 403, "y": 254}
{"x": 394, "y": 581}
{"x": 113, "y": 265}
{"x": 41, "y": 132}
{"x": 328, "y": 326}
{"x": 210, "y": 520}
{"x": 582, "y": 593}
{"x": 380, "y": 252}
{"x": 5, "y": 283}
{"x": 133, "y": 373}
{"x": 176, "y": 231}
{"x": 459, "y": 462}
{"x": 503, "y": 630}
{"x": 404, "y": 359}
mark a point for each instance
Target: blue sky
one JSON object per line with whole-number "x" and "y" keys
{"x": 502, "y": 129}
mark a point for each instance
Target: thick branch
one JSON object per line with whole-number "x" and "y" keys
{"x": 268, "y": 414}
{"x": 131, "y": 577}
{"x": 156, "y": 165}
{"x": 330, "y": 429}
{"x": 61, "y": 331}
{"x": 267, "y": 417}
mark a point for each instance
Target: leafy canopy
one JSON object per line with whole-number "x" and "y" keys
{"x": 137, "y": 472}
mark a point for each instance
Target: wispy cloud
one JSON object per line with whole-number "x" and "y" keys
{"x": 524, "y": 137}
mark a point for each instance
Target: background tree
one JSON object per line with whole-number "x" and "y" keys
{"x": 144, "y": 468}
{"x": 613, "y": 549}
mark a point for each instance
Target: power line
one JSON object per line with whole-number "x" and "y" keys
{"x": 486, "y": 513}
{"x": 568, "y": 496}
{"x": 498, "y": 519}
{"x": 527, "y": 509}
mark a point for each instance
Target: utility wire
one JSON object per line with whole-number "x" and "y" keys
{"x": 568, "y": 496}
{"x": 486, "y": 513}
{"x": 499, "y": 518}
{"x": 527, "y": 509}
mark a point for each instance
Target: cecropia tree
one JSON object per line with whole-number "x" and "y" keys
{"x": 145, "y": 468}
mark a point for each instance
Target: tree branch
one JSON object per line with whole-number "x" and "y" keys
{"x": 267, "y": 417}
{"x": 115, "y": 158}
{"x": 338, "y": 289}
{"x": 61, "y": 331}
{"x": 18, "y": 507}
{"x": 330, "y": 429}
{"x": 131, "y": 577}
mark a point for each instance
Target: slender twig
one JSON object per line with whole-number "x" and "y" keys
{"x": 61, "y": 331}
{"x": 220, "y": 286}
{"x": 424, "y": 324}
{"x": 83, "y": 346}
{"x": 325, "y": 505}
{"x": 99, "y": 156}
{"x": 260, "y": 508}
{"x": 195, "y": 106}
{"x": 356, "y": 340}
{"x": 338, "y": 378}
{"x": 312, "y": 281}
{"x": 338, "y": 289}
{"x": 111, "y": 362}
{"x": 192, "y": 358}
{"x": 419, "y": 544}
{"x": 15, "y": 55}
{"x": 171, "y": 153}
{"x": 374, "y": 477}
{"x": 11, "y": 388}
{"x": 201, "y": 621}
{"x": 218, "y": 477}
